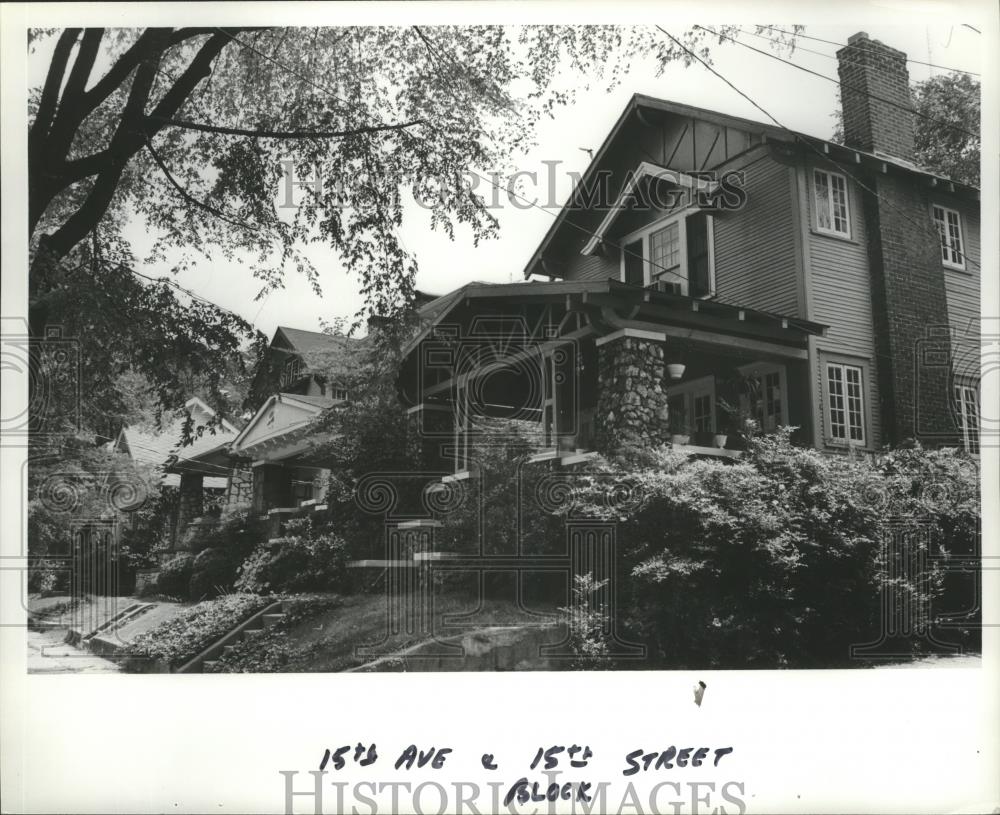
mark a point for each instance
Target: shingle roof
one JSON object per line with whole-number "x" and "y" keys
{"x": 306, "y": 341}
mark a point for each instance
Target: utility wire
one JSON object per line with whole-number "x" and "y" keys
{"x": 859, "y": 48}
{"x": 844, "y": 85}
{"x": 798, "y": 137}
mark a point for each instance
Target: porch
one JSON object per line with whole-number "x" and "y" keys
{"x": 597, "y": 366}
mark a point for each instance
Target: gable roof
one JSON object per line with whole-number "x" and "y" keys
{"x": 765, "y": 131}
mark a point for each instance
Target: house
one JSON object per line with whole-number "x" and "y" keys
{"x": 276, "y": 466}
{"x": 710, "y": 268}
{"x": 195, "y": 474}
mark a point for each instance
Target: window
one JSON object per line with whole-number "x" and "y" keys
{"x": 967, "y": 404}
{"x": 691, "y": 406}
{"x": 340, "y": 393}
{"x": 832, "y": 210}
{"x": 764, "y": 395}
{"x": 949, "y": 227}
{"x": 675, "y": 254}
{"x": 845, "y": 403}
{"x": 291, "y": 372}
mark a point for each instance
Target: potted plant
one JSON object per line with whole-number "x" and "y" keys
{"x": 675, "y": 370}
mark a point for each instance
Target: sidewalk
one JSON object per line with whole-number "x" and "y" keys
{"x": 47, "y": 653}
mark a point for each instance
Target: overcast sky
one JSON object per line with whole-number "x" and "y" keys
{"x": 798, "y": 100}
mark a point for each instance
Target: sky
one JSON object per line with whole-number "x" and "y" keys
{"x": 796, "y": 99}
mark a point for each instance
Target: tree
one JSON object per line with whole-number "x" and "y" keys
{"x": 192, "y": 130}
{"x": 948, "y": 99}
{"x": 955, "y": 100}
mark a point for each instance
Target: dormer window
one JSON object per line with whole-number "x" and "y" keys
{"x": 675, "y": 254}
{"x": 291, "y": 372}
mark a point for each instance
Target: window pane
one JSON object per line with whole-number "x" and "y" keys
{"x": 955, "y": 237}
{"x": 835, "y": 386}
{"x": 703, "y": 413}
{"x": 839, "y": 200}
{"x": 854, "y": 412}
{"x": 665, "y": 254}
{"x": 823, "y": 216}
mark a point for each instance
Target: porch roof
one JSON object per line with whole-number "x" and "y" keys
{"x": 606, "y": 307}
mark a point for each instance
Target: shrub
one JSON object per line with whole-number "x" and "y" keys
{"x": 175, "y": 576}
{"x": 777, "y": 560}
{"x": 309, "y": 558}
{"x": 183, "y": 637}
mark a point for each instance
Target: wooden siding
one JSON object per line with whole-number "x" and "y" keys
{"x": 840, "y": 297}
{"x": 962, "y": 288}
{"x": 756, "y": 255}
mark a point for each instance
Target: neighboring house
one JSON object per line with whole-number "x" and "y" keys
{"x": 832, "y": 287}
{"x": 198, "y": 472}
{"x": 276, "y": 464}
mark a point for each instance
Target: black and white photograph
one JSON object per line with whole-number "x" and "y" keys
{"x": 612, "y": 351}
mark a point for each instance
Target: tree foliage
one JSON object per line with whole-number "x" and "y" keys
{"x": 953, "y": 99}
{"x": 187, "y": 134}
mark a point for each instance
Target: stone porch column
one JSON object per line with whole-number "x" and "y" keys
{"x": 189, "y": 504}
{"x": 239, "y": 489}
{"x": 631, "y": 401}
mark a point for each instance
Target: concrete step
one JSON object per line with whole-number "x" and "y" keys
{"x": 208, "y": 664}
{"x": 252, "y": 633}
{"x": 228, "y": 649}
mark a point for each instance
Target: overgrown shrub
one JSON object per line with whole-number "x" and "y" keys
{"x": 175, "y": 576}
{"x": 778, "y": 559}
{"x": 183, "y": 637}
{"x": 310, "y": 557}
{"x": 220, "y": 553}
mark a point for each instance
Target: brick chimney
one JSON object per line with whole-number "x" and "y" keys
{"x": 869, "y": 69}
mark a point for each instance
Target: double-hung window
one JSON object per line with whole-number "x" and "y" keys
{"x": 967, "y": 405}
{"x": 833, "y": 214}
{"x": 845, "y": 403}
{"x": 675, "y": 255}
{"x": 949, "y": 227}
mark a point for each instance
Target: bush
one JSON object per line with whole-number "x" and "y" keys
{"x": 309, "y": 558}
{"x": 777, "y": 560}
{"x": 182, "y": 638}
{"x": 175, "y": 576}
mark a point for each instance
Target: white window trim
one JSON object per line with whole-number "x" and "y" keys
{"x": 689, "y": 390}
{"x": 847, "y": 205}
{"x": 830, "y": 439}
{"x": 761, "y": 369}
{"x": 968, "y": 440}
{"x": 662, "y": 223}
{"x": 950, "y": 264}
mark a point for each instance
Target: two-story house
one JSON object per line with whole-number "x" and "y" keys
{"x": 708, "y": 269}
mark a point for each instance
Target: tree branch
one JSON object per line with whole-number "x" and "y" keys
{"x": 190, "y": 198}
{"x": 284, "y": 134}
{"x": 53, "y": 82}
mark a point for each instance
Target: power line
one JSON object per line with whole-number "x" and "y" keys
{"x": 859, "y": 48}
{"x": 844, "y": 85}
{"x": 804, "y": 141}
